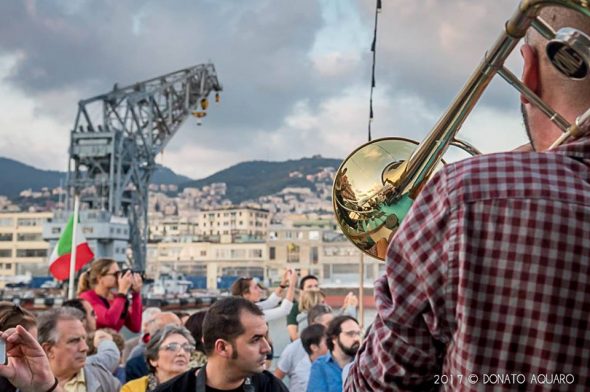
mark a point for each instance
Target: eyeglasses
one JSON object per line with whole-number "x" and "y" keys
{"x": 353, "y": 334}
{"x": 174, "y": 347}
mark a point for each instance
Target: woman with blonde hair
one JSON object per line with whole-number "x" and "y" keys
{"x": 107, "y": 290}
{"x": 308, "y": 300}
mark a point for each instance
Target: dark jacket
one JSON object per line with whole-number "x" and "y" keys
{"x": 136, "y": 367}
{"x": 189, "y": 382}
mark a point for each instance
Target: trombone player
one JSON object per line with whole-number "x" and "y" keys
{"x": 488, "y": 277}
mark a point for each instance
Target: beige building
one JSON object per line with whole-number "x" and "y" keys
{"x": 318, "y": 247}
{"x": 225, "y": 225}
{"x": 207, "y": 259}
{"x": 22, "y": 248}
{"x": 308, "y": 245}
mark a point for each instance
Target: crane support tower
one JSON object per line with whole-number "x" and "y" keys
{"x": 113, "y": 146}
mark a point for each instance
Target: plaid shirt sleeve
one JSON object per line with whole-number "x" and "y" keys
{"x": 415, "y": 301}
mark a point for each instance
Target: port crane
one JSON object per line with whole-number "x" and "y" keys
{"x": 113, "y": 146}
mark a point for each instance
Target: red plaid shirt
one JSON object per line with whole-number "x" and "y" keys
{"x": 488, "y": 280}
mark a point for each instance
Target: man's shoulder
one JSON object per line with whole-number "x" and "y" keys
{"x": 267, "y": 382}
{"x": 504, "y": 175}
{"x": 98, "y": 375}
{"x": 292, "y": 347}
{"x": 323, "y": 360}
{"x": 263, "y": 382}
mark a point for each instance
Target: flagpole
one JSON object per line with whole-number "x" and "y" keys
{"x": 73, "y": 254}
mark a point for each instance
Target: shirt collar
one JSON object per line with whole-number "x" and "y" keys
{"x": 72, "y": 383}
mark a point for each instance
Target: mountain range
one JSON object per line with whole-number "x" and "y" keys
{"x": 246, "y": 180}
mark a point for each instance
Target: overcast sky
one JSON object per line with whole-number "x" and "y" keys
{"x": 296, "y": 74}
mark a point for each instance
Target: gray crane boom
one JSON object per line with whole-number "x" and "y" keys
{"x": 114, "y": 144}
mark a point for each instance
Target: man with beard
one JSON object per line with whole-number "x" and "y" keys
{"x": 489, "y": 273}
{"x": 343, "y": 338}
{"x": 63, "y": 337}
{"x": 234, "y": 339}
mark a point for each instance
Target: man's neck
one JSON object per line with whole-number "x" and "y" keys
{"x": 340, "y": 358}
{"x": 220, "y": 377}
{"x": 65, "y": 376}
{"x": 314, "y": 356}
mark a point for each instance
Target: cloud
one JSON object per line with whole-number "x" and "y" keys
{"x": 296, "y": 76}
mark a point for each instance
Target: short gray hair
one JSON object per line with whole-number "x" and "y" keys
{"x": 47, "y": 322}
{"x": 153, "y": 347}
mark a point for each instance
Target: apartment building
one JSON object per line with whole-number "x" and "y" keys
{"x": 224, "y": 225}
{"x": 318, "y": 247}
{"x": 310, "y": 245}
{"x": 22, "y": 248}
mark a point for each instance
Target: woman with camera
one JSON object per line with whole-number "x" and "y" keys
{"x": 115, "y": 295}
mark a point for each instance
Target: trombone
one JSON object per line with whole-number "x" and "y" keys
{"x": 376, "y": 184}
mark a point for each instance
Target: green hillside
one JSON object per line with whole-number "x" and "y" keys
{"x": 249, "y": 180}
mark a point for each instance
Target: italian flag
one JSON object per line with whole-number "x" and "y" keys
{"x": 60, "y": 258}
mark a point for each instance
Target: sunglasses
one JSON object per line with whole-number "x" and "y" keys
{"x": 174, "y": 347}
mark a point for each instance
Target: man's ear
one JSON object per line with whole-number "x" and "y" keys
{"x": 314, "y": 348}
{"x": 48, "y": 348}
{"x": 223, "y": 348}
{"x": 530, "y": 70}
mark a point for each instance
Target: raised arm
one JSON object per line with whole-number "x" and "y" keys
{"x": 27, "y": 366}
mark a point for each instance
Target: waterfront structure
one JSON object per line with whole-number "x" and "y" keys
{"x": 107, "y": 235}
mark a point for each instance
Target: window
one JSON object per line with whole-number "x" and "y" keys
{"x": 6, "y": 222}
{"x": 55, "y": 230}
{"x": 30, "y": 221}
{"x": 272, "y": 253}
{"x": 238, "y": 253}
{"x": 314, "y": 235}
{"x": 292, "y": 253}
{"x": 256, "y": 253}
{"x": 313, "y": 254}
{"x": 87, "y": 230}
{"x": 5, "y": 237}
{"x": 31, "y": 253}
{"x": 5, "y": 252}
{"x": 29, "y": 237}
{"x": 345, "y": 268}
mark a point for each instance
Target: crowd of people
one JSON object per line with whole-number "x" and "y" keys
{"x": 78, "y": 346}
